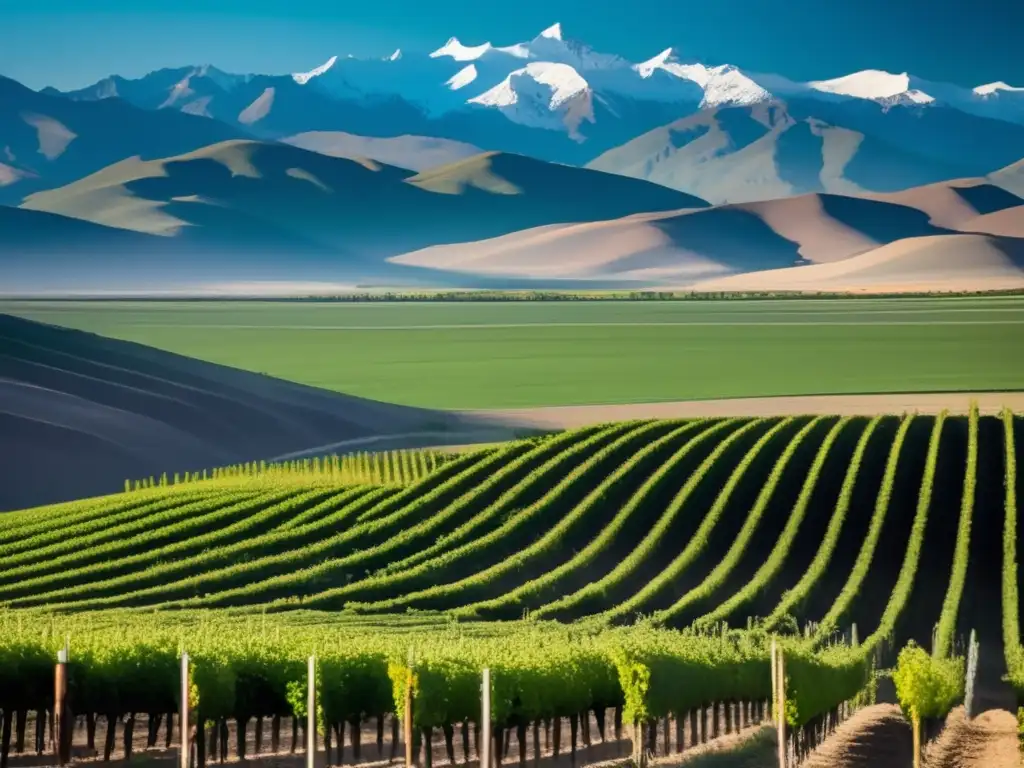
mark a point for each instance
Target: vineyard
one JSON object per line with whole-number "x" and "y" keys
{"x": 626, "y": 575}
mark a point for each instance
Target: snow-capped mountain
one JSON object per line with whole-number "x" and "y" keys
{"x": 533, "y": 82}
{"x": 556, "y": 98}
{"x": 668, "y": 76}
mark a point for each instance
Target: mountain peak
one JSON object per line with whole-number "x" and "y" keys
{"x": 554, "y": 32}
{"x": 645, "y": 68}
{"x": 455, "y": 50}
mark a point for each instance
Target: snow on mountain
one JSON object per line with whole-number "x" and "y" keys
{"x": 462, "y": 78}
{"x": 542, "y": 95}
{"x": 868, "y": 84}
{"x": 304, "y": 77}
{"x": 993, "y": 89}
{"x": 997, "y": 100}
{"x": 528, "y": 78}
{"x": 456, "y": 51}
{"x": 721, "y": 85}
{"x": 562, "y": 83}
{"x": 554, "y": 32}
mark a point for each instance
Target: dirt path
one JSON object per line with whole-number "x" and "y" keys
{"x": 875, "y": 736}
{"x": 565, "y": 417}
{"x": 988, "y": 741}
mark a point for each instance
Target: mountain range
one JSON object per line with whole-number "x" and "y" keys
{"x": 667, "y": 119}
{"x": 543, "y": 161}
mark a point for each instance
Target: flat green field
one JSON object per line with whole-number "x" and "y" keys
{"x": 495, "y": 355}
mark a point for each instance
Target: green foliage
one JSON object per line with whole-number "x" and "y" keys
{"x": 1011, "y": 618}
{"x": 927, "y": 686}
{"x": 531, "y": 525}
{"x": 951, "y": 605}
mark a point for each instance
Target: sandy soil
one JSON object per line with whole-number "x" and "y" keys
{"x": 566, "y": 417}
{"x": 876, "y": 736}
{"x": 987, "y": 741}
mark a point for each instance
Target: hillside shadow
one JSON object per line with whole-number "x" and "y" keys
{"x": 106, "y": 131}
{"x": 798, "y": 158}
{"x": 883, "y": 222}
{"x": 988, "y": 198}
{"x": 102, "y": 410}
{"x": 736, "y": 239}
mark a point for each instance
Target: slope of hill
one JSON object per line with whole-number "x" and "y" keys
{"x": 769, "y": 150}
{"x": 921, "y": 264}
{"x": 1011, "y": 178}
{"x": 684, "y": 247}
{"x": 414, "y": 153}
{"x": 48, "y": 140}
{"x": 266, "y": 198}
{"x": 93, "y": 410}
{"x": 684, "y": 521}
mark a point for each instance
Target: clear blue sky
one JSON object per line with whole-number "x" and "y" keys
{"x": 71, "y": 43}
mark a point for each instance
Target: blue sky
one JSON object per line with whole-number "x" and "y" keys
{"x": 71, "y": 43}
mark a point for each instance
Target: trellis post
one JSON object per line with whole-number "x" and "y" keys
{"x": 311, "y": 714}
{"x": 485, "y": 719}
{"x": 183, "y": 715}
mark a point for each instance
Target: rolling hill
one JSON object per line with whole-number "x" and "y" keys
{"x": 920, "y": 264}
{"x": 98, "y": 410}
{"x": 414, "y": 153}
{"x": 689, "y": 246}
{"x": 279, "y": 210}
{"x": 1011, "y": 178}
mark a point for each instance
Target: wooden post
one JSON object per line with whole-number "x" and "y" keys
{"x": 780, "y": 691}
{"x": 410, "y": 755}
{"x": 311, "y": 714}
{"x": 775, "y": 678}
{"x": 484, "y": 750}
{"x": 183, "y": 716}
{"x": 916, "y": 722}
{"x": 62, "y": 724}
{"x": 972, "y": 674}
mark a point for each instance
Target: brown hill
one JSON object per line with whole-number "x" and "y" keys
{"x": 688, "y": 246}
{"x": 938, "y": 263}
